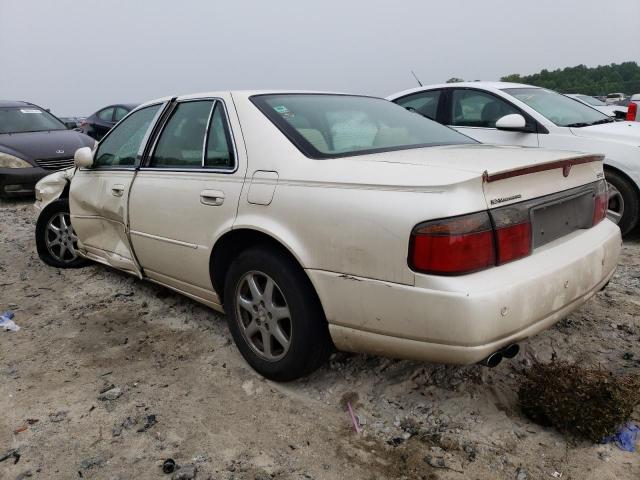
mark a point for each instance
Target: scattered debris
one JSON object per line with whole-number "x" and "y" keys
{"x": 521, "y": 474}
{"x": 58, "y": 416}
{"x": 354, "y": 422}
{"x": 151, "y": 421}
{"x": 582, "y": 401}
{"x": 113, "y": 393}
{"x": 556, "y": 474}
{"x": 20, "y": 429}
{"x": 169, "y": 465}
{"x": 185, "y": 472}
{"x": 7, "y": 323}
{"x": 439, "y": 462}
{"x": 9, "y": 454}
{"x": 92, "y": 462}
{"x": 625, "y": 438}
{"x": 395, "y": 441}
{"x": 25, "y": 474}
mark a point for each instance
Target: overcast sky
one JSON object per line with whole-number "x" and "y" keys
{"x": 76, "y": 56}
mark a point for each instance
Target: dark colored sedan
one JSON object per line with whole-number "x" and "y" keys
{"x": 33, "y": 144}
{"x": 98, "y": 124}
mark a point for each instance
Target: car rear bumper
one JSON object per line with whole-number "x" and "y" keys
{"x": 464, "y": 319}
{"x": 15, "y": 182}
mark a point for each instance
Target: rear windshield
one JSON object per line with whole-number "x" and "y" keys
{"x": 28, "y": 119}
{"x": 330, "y": 126}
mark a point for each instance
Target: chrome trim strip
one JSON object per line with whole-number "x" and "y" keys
{"x": 164, "y": 239}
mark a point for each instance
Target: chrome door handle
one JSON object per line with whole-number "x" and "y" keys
{"x": 212, "y": 197}
{"x": 117, "y": 190}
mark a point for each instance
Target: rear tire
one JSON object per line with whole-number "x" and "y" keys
{"x": 624, "y": 197}
{"x": 56, "y": 240}
{"x": 274, "y": 315}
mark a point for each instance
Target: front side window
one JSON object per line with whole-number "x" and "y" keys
{"x": 562, "y": 111}
{"x": 121, "y": 146}
{"x": 329, "y": 126}
{"x": 181, "y": 142}
{"x": 106, "y": 114}
{"x": 28, "y": 119}
{"x": 472, "y": 108}
{"x": 424, "y": 103}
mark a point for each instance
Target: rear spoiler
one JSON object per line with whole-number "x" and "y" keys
{"x": 565, "y": 165}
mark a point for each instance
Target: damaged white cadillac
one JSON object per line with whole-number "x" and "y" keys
{"x": 318, "y": 220}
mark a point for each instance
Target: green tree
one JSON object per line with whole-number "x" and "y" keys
{"x": 600, "y": 80}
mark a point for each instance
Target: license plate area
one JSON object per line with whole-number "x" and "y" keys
{"x": 561, "y": 216}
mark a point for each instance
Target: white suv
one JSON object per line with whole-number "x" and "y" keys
{"x": 515, "y": 114}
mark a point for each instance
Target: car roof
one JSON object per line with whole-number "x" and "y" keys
{"x": 245, "y": 93}
{"x": 15, "y": 104}
{"x": 491, "y": 86}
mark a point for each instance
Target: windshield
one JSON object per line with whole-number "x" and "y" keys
{"x": 28, "y": 119}
{"x": 561, "y": 110}
{"x": 591, "y": 100}
{"x": 329, "y": 126}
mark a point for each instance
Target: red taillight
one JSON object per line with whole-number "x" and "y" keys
{"x": 513, "y": 242}
{"x": 469, "y": 243}
{"x": 632, "y": 111}
{"x": 453, "y": 246}
{"x": 601, "y": 203}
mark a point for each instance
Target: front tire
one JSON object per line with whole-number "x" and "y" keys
{"x": 623, "y": 202}
{"x": 56, "y": 241}
{"x": 274, "y": 315}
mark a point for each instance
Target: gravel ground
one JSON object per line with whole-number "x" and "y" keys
{"x": 109, "y": 376}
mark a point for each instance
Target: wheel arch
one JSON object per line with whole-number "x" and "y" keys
{"x": 235, "y": 241}
{"x": 612, "y": 168}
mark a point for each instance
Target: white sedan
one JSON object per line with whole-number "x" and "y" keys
{"x": 317, "y": 220}
{"x": 503, "y": 113}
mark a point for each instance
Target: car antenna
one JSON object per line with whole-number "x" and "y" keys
{"x": 416, "y": 77}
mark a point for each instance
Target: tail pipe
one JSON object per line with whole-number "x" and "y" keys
{"x": 495, "y": 358}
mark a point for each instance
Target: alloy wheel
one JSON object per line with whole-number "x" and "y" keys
{"x": 615, "y": 207}
{"x": 61, "y": 239}
{"x": 263, "y": 315}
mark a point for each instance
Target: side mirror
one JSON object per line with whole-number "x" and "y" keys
{"x": 83, "y": 157}
{"x": 513, "y": 122}
{"x": 71, "y": 125}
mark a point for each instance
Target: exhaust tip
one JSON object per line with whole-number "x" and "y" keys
{"x": 492, "y": 360}
{"x": 511, "y": 350}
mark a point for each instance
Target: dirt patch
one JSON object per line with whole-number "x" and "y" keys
{"x": 179, "y": 389}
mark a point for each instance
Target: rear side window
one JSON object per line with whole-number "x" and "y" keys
{"x": 330, "y": 126}
{"x": 472, "y": 108}
{"x": 219, "y": 149}
{"x": 424, "y": 103}
{"x": 181, "y": 142}
{"x": 106, "y": 114}
{"x": 122, "y": 144}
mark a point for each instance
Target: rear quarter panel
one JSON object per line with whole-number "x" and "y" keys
{"x": 347, "y": 215}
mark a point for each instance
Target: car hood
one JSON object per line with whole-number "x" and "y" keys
{"x": 44, "y": 145}
{"x": 622, "y": 132}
